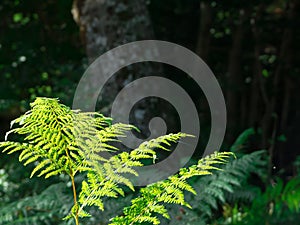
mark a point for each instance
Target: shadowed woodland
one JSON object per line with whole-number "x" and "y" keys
{"x": 252, "y": 47}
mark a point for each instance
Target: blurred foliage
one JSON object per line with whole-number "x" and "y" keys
{"x": 48, "y": 207}
{"x": 278, "y": 204}
{"x": 40, "y": 52}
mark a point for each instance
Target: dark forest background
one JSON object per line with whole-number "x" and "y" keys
{"x": 251, "y": 46}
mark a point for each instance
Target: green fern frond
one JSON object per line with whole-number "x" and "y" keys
{"x": 171, "y": 191}
{"x": 68, "y": 141}
{"x": 42, "y": 128}
{"x": 242, "y": 139}
{"x": 105, "y": 179}
{"x": 226, "y": 185}
{"x": 61, "y": 139}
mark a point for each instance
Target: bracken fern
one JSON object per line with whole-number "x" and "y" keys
{"x": 150, "y": 203}
{"x": 58, "y": 140}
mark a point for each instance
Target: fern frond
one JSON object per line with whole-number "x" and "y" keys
{"x": 61, "y": 139}
{"x": 153, "y": 197}
{"x": 242, "y": 139}
{"x": 226, "y": 185}
{"x": 42, "y": 129}
{"x": 104, "y": 179}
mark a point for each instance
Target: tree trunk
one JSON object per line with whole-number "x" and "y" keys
{"x": 105, "y": 24}
{"x": 284, "y": 67}
{"x": 202, "y": 48}
{"x": 234, "y": 77}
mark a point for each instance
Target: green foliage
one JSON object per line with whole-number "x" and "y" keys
{"x": 58, "y": 140}
{"x": 241, "y": 140}
{"x": 279, "y": 204}
{"x": 248, "y": 204}
{"x": 104, "y": 179}
{"x": 277, "y": 200}
{"x": 41, "y": 209}
{"x": 223, "y": 187}
{"x": 49, "y": 64}
{"x": 52, "y": 136}
{"x": 150, "y": 203}
{"x": 226, "y": 186}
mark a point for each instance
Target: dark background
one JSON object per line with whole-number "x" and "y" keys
{"x": 251, "y": 46}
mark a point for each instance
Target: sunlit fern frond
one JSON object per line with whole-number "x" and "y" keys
{"x": 105, "y": 179}
{"x": 43, "y": 130}
{"x": 150, "y": 203}
{"x": 225, "y": 186}
{"x": 59, "y": 138}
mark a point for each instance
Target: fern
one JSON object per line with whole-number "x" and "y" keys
{"x": 228, "y": 185}
{"x": 146, "y": 207}
{"x": 47, "y": 131}
{"x": 58, "y": 140}
{"x": 242, "y": 139}
{"x": 222, "y": 187}
{"x": 66, "y": 141}
{"x": 104, "y": 179}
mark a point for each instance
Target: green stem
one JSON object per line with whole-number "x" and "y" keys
{"x": 75, "y": 199}
{"x": 72, "y": 175}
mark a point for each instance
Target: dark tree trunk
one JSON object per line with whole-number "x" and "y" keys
{"x": 285, "y": 67}
{"x": 234, "y": 78}
{"x": 105, "y": 24}
{"x": 203, "y": 43}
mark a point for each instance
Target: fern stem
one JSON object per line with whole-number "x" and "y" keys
{"x": 75, "y": 199}
{"x": 72, "y": 175}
